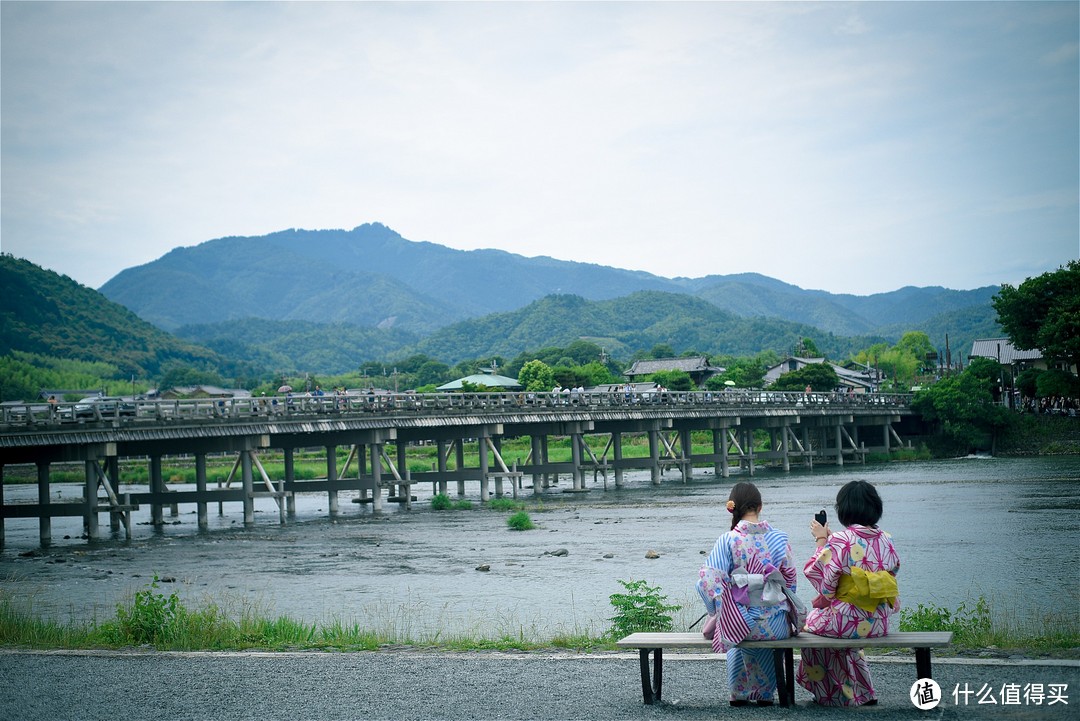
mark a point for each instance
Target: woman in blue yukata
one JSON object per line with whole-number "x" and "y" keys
{"x": 742, "y": 584}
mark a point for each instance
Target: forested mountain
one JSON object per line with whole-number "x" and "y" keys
{"x": 623, "y": 326}
{"x": 372, "y": 277}
{"x": 327, "y": 301}
{"x": 49, "y": 314}
{"x": 294, "y": 347}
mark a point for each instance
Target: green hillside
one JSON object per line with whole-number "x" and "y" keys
{"x": 48, "y": 314}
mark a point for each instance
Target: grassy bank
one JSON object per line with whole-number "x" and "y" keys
{"x": 154, "y": 620}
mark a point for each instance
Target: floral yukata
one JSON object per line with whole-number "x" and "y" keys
{"x": 742, "y": 583}
{"x": 855, "y": 574}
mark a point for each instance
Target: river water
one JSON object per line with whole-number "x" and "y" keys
{"x": 1004, "y": 529}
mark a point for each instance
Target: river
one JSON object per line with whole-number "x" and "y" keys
{"x": 1005, "y": 529}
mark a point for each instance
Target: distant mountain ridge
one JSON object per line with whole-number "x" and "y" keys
{"x": 372, "y": 277}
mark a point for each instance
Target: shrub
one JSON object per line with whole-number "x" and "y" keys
{"x": 463, "y": 505}
{"x": 505, "y": 504}
{"x": 441, "y": 502}
{"x": 520, "y": 521}
{"x": 970, "y": 626}
{"x": 152, "y": 617}
{"x": 641, "y": 608}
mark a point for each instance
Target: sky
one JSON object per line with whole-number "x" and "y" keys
{"x": 849, "y": 147}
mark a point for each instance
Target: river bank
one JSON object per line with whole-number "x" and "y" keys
{"x": 966, "y": 529}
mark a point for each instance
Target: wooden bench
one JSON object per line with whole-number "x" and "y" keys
{"x": 783, "y": 654}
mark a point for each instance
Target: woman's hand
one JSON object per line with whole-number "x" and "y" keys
{"x": 818, "y": 531}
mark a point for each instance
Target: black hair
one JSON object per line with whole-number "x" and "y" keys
{"x": 746, "y": 497}
{"x": 858, "y": 502}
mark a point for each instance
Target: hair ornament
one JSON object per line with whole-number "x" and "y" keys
{"x": 731, "y": 506}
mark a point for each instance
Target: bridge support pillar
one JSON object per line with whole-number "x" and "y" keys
{"x": 686, "y": 450}
{"x": 112, "y": 472}
{"x": 90, "y": 516}
{"x": 544, "y": 455}
{"x": 748, "y": 445}
{"x": 784, "y": 431}
{"x": 290, "y": 479}
{"x": 1, "y": 506}
{"x": 654, "y": 457}
{"x": 157, "y": 487}
{"x": 376, "y": 477}
{"x": 459, "y": 455}
{"x": 616, "y": 447}
{"x": 537, "y": 459}
{"x": 440, "y": 450}
{"x": 44, "y": 520}
{"x": 248, "y": 483}
{"x": 481, "y": 442}
{"x": 839, "y": 444}
{"x": 885, "y": 441}
{"x": 496, "y": 442}
{"x": 331, "y": 475}
{"x": 575, "y": 456}
{"x": 200, "y": 489}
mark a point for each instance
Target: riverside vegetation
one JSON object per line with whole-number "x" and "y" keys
{"x": 163, "y": 622}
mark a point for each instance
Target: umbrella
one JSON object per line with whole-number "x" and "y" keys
{"x": 729, "y": 383}
{"x": 285, "y": 389}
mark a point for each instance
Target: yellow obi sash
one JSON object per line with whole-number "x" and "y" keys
{"x": 867, "y": 589}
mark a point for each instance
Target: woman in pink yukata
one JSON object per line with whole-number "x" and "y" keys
{"x": 854, "y": 571}
{"x": 742, "y": 585}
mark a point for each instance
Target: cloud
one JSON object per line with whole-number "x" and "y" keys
{"x": 799, "y": 140}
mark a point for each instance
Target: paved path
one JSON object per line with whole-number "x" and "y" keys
{"x": 401, "y": 685}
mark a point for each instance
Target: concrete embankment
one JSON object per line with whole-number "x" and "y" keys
{"x": 150, "y": 686}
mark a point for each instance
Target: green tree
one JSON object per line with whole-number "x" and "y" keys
{"x": 673, "y": 380}
{"x": 916, "y": 343}
{"x": 962, "y": 407}
{"x": 808, "y": 349}
{"x": 1057, "y": 383}
{"x": 1044, "y": 313}
{"x": 662, "y": 350}
{"x": 536, "y": 376}
{"x": 819, "y": 376}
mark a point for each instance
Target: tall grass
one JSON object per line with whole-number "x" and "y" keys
{"x": 156, "y": 620}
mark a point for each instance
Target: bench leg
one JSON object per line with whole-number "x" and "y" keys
{"x": 650, "y": 689}
{"x": 922, "y": 663}
{"x": 781, "y": 679}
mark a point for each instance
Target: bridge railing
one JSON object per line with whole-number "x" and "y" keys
{"x": 391, "y": 404}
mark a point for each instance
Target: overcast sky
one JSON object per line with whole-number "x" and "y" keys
{"x": 850, "y": 147}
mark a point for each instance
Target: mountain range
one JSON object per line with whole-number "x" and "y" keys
{"x": 372, "y": 277}
{"x": 326, "y": 300}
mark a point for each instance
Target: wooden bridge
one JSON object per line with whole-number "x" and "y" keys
{"x": 804, "y": 428}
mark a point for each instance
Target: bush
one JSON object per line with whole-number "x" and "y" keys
{"x": 463, "y": 505}
{"x": 520, "y": 521}
{"x": 970, "y": 627}
{"x": 441, "y": 502}
{"x": 152, "y": 618}
{"x": 505, "y": 504}
{"x": 641, "y": 608}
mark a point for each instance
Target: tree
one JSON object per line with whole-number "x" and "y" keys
{"x": 819, "y": 376}
{"x": 808, "y": 349}
{"x": 536, "y": 376}
{"x": 673, "y": 380}
{"x": 1043, "y": 313}
{"x": 962, "y": 407}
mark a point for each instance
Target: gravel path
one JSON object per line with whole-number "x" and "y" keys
{"x": 57, "y": 686}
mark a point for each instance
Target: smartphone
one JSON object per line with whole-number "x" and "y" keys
{"x": 821, "y": 517}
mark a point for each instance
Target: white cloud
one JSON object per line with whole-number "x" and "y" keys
{"x": 831, "y": 145}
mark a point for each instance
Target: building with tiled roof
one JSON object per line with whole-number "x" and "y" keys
{"x": 697, "y": 367}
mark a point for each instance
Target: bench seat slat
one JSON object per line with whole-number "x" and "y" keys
{"x": 902, "y": 639}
